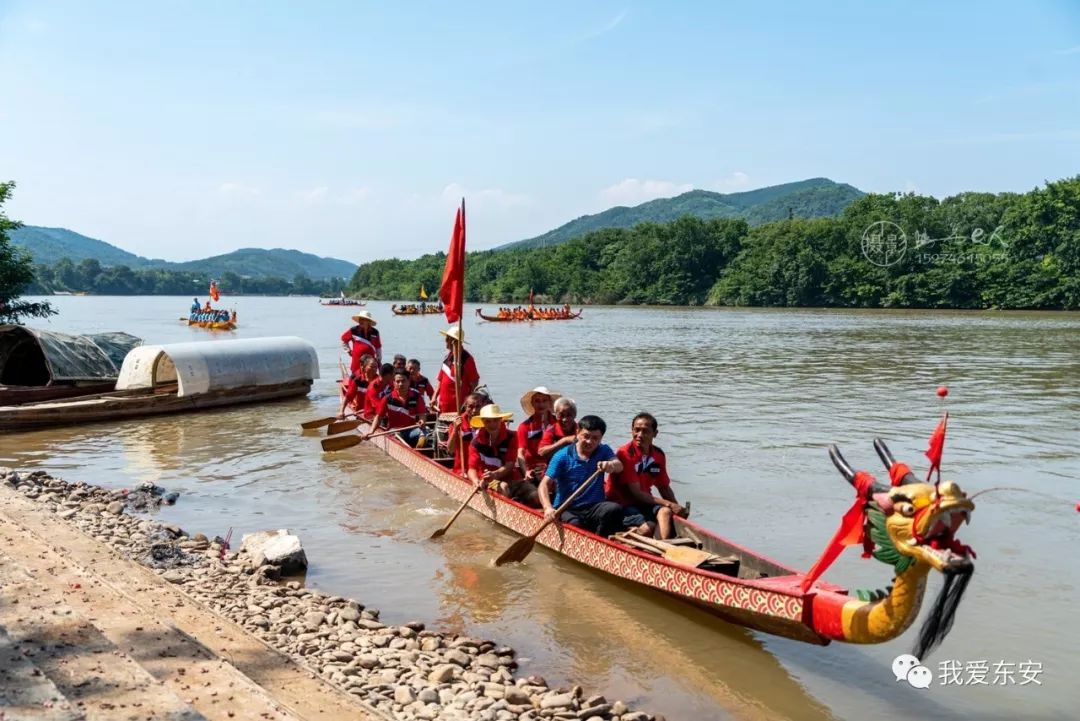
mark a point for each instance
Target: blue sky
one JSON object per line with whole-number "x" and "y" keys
{"x": 185, "y": 129}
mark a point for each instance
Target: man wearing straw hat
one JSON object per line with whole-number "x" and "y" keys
{"x": 446, "y": 397}
{"x": 538, "y": 418}
{"x": 493, "y": 456}
{"x": 362, "y": 339}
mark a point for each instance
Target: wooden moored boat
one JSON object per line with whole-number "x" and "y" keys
{"x": 183, "y": 377}
{"x": 38, "y": 365}
{"x": 532, "y": 317}
{"x": 754, "y": 590}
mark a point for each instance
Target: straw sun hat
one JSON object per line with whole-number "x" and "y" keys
{"x": 489, "y": 411}
{"x": 454, "y": 333}
{"x": 526, "y": 400}
{"x": 365, "y": 315}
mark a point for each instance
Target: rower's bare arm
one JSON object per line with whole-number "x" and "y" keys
{"x": 544, "y": 491}
{"x": 667, "y": 498}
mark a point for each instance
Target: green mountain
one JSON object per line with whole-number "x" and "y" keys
{"x": 49, "y": 245}
{"x": 814, "y": 198}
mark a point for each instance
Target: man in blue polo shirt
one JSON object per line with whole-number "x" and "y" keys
{"x": 570, "y": 467}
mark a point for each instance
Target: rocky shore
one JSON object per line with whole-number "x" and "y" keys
{"x": 405, "y": 671}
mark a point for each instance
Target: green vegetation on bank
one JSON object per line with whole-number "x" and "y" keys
{"x": 813, "y": 198}
{"x": 16, "y": 272}
{"x": 973, "y": 250}
{"x": 89, "y": 276}
{"x": 49, "y": 246}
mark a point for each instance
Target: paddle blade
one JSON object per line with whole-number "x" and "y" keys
{"x": 309, "y": 425}
{"x": 439, "y": 533}
{"x": 343, "y": 427}
{"x": 684, "y": 556}
{"x": 340, "y": 443}
{"x": 517, "y": 552}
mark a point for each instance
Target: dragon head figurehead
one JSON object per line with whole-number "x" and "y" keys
{"x": 912, "y": 526}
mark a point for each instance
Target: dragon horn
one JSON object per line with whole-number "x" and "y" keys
{"x": 845, "y": 470}
{"x": 887, "y": 458}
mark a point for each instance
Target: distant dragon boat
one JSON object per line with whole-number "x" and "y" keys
{"x": 428, "y": 309}
{"x": 531, "y": 317}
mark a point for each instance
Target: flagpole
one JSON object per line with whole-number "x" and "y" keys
{"x": 457, "y": 359}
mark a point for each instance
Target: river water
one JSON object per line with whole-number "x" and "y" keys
{"x": 747, "y": 401}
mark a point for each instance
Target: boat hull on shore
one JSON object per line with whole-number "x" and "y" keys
{"x": 764, "y": 596}
{"x": 184, "y": 377}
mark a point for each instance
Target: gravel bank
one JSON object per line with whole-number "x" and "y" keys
{"x": 407, "y": 671}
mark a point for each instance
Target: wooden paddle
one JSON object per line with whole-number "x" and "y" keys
{"x": 340, "y": 443}
{"x": 524, "y": 546}
{"x": 342, "y": 426}
{"x": 444, "y": 529}
{"x": 319, "y": 423}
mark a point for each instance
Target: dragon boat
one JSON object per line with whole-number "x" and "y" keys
{"x": 912, "y": 523}
{"x": 532, "y": 318}
{"x": 429, "y": 309}
{"x": 213, "y": 324}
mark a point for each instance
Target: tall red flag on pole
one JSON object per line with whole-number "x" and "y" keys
{"x": 937, "y": 446}
{"x": 452, "y": 289}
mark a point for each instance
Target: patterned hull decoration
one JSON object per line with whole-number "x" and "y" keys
{"x": 773, "y": 604}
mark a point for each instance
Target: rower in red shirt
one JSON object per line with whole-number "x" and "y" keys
{"x": 378, "y": 389}
{"x": 446, "y": 396}
{"x": 538, "y": 418}
{"x": 561, "y": 433}
{"x": 472, "y": 405}
{"x": 401, "y": 408}
{"x": 644, "y": 466}
{"x": 419, "y": 381}
{"x": 493, "y": 456}
{"x": 354, "y": 388}
{"x": 362, "y": 339}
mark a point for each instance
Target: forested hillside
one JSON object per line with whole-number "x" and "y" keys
{"x": 973, "y": 250}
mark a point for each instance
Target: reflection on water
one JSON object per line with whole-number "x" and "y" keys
{"x": 746, "y": 401}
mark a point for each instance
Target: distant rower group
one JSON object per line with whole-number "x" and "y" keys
{"x": 207, "y": 314}
{"x": 540, "y": 464}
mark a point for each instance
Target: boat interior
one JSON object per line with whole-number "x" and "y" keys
{"x": 690, "y": 547}
{"x": 22, "y": 362}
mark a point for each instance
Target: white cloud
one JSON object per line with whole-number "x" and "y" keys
{"x": 736, "y": 181}
{"x": 311, "y": 196}
{"x": 608, "y": 27}
{"x": 238, "y": 190}
{"x": 355, "y": 196}
{"x": 634, "y": 192}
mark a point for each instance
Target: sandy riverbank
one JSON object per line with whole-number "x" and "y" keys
{"x": 295, "y": 651}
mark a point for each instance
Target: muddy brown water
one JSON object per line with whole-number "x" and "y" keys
{"x": 747, "y": 400}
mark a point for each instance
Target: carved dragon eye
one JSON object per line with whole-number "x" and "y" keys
{"x": 905, "y": 509}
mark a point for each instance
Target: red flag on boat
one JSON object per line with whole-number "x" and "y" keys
{"x": 937, "y": 446}
{"x": 214, "y": 295}
{"x": 452, "y": 289}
